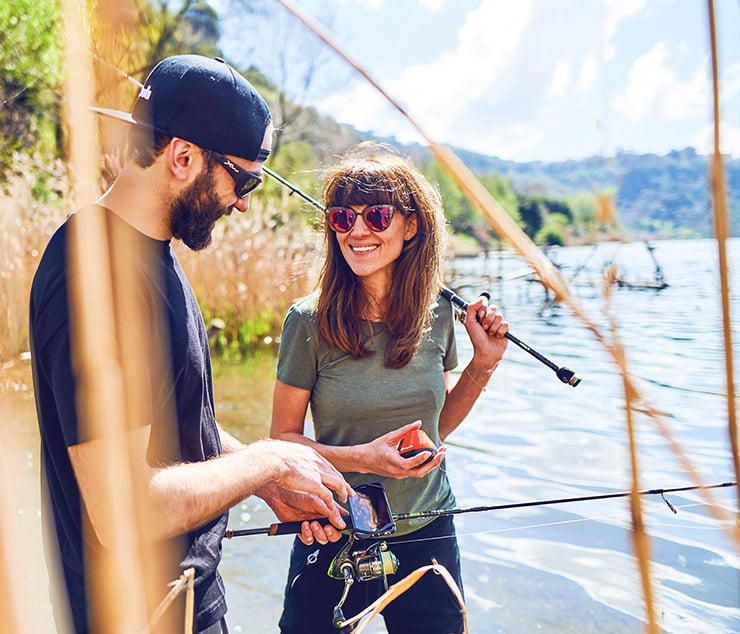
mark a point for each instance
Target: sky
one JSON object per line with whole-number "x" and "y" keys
{"x": 522, "y": 80}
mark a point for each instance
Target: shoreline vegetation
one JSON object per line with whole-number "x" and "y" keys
{"x": 258, "y": 264}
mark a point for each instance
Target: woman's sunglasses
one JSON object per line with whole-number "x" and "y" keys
{"x": 244, "y": 182}
{"x": 377, "y": 217}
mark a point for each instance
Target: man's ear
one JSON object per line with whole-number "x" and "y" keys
{"x": 183, "y": 158}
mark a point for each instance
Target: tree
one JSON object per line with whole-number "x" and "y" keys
{"x": 130, "y": 37}
{"x": 530, "y": 212}
{"x": 30, "y": 79}
{"x": 290, "y": 64}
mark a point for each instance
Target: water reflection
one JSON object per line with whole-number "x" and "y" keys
{"x": 553, "y": 569}
{"x": 531, "y": 437}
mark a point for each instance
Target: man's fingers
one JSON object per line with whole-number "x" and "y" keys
{"x": 336, "y": 482}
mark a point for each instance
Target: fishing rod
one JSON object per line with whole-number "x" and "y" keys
{"x": 566, "y": 375}
{"x": 383, "y": 511}
{"x": 583, "y": 498}
{"x": 293, "y": 189}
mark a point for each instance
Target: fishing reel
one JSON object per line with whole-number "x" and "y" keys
{"x": 375, "y": 562}
{"x": 370, "y": 518}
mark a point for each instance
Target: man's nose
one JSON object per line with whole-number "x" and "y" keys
{"x": 242, "y": 204}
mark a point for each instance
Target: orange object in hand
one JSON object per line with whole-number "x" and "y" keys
{"x": 414, "y": 443}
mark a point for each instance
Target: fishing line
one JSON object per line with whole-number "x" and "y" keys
{"x": 584, "y": 498}
{"x": 691, "y": 390}
{"x": 612, "y": 520}
{"x": 508, "y": 529}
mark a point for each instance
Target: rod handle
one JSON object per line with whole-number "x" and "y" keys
{"x": 279, "y": 528}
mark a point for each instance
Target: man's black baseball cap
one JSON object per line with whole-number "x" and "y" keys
{"x": 204, "y": 101}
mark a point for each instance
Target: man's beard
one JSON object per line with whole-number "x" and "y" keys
{"x": 195, "y": 211}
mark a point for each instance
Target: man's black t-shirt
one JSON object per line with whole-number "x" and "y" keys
{"x": 183, "y": 392}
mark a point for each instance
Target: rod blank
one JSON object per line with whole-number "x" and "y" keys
{"x": 286, "y": 528}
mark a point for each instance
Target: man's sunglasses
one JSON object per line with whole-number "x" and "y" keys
{"x": 245, "y": 182}
{"x": 377, "y": 217}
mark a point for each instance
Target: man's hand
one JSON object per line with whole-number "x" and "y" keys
{"x": 305, "y": 489}
{"x": 291, "y": 506}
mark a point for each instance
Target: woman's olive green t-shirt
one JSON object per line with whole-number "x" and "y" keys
{"x": 354, "y": 401}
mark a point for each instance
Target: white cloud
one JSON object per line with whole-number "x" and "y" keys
{"x": 730, "y": 85}
{"x": 514, "y": 140}
{"x": 653, "y": 89}
{"x": 487, "y": 44}
{"x": 437, "y": 94}
{"x": 729, "y": 111}
{"x": 686, "y": 99}
{"x": 372, "y": 5}
{"x": 562, "y": 78}
{"x": 729, "y": 140}
{"x": 589, "y": 74}
{"x": 616, "y": 12}
{"x": 433, "y": 6}
{"x": 518, "y": 72}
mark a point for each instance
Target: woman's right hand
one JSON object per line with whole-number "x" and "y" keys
{"x": 381, "y": 456}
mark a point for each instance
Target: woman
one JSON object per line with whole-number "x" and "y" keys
{"x": 371, "y": 353}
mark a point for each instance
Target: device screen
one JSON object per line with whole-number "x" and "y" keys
{"x": 370, "y": 512}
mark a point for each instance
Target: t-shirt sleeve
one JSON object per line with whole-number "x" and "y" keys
{"x": 297, "y": 364}
{"x": 51, "y": 349}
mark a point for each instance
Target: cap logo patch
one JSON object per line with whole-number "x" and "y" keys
{"x": 146, "y": 92}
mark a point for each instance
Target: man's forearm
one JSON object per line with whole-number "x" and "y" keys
{"x": 229, "y": 443}
{"x": 186, "y": 496}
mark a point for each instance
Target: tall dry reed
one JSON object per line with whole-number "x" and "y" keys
{"x": 258, "y": 263}
{"x": 25, "y": 227}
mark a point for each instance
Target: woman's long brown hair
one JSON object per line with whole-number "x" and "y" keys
{"x": 373, "y": 173}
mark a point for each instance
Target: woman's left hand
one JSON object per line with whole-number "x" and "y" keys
{"x": 487, "y": 330}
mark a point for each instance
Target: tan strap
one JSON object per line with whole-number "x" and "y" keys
{"x": 187, "y": 579}
{"x": 397, "y": 589}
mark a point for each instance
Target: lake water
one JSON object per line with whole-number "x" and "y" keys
{"x": 569, "y": 568}
{"x": 554, "y": 569}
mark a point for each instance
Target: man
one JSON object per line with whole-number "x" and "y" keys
{"x": 199, "y": 135}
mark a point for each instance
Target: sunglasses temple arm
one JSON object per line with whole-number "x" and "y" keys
{"x": 293, "y": 189}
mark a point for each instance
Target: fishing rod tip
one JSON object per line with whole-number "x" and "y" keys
{"x": 568, "y": 376}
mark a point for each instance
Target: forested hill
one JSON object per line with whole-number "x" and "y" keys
{"x": 655, "y": 195}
